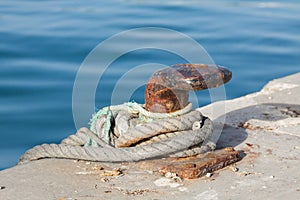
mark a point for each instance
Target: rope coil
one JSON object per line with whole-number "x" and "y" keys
{"x": 128, "y": 132}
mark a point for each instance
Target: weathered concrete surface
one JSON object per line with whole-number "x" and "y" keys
{"x": 265, "y": 126}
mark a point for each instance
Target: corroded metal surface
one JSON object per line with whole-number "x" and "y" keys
{"x": 196, "y": 166}
{"x": 168, "y": 89}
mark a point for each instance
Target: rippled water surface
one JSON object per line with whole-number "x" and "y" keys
{"x": 43, "y": 43}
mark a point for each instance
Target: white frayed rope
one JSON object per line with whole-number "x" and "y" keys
{"x": 128, "y": 132}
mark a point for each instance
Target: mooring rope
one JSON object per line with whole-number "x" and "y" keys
{"x": 128, "y": 132}
{"x": 132, "y": 108}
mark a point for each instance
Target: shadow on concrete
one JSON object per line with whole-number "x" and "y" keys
{"x": 234, "y": 131}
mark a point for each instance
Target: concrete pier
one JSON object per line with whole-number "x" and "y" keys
{"x": 264, "y": 126}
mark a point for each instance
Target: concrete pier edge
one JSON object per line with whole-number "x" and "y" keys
{"x": 264, "y": 126}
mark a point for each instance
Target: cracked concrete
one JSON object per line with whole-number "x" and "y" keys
{"x": 264, "y": 126}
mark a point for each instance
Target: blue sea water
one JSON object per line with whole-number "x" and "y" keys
{"x": 43, "y": 43}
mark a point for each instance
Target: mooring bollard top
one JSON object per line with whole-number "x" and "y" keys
{"x": 167, "y": 89}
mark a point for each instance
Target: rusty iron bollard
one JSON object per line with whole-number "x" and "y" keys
{"x": 168, "y": 91}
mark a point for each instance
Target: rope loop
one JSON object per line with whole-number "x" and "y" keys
{"x": 128, "y": 132}
{"x": 132, "y": 108}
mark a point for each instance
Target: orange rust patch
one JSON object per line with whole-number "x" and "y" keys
{"x": 195, "y": 166}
